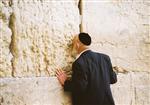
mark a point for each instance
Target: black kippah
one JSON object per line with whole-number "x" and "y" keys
{"x": 85, "y": 38}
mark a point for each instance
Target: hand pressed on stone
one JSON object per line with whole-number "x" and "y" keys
{"x": 62, "y": 76}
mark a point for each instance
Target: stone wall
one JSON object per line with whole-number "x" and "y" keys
{"x": 131, "y": 89}
{"x": 36, "y": 36}
{"x": 120, "y": 28}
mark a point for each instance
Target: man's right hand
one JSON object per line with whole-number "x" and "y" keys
{"x": 62, "y": 76}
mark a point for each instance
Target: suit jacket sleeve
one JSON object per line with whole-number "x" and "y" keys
{"x": 79, "y": 81}
{"x": 113, "y": 76}
{"x": 68, "y": 85}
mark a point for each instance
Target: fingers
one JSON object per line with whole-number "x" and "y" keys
{"x": 61, "y": 75}
{"x": 59, "y": 72}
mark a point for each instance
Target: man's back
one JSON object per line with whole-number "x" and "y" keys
{"x": 91, "y": 79}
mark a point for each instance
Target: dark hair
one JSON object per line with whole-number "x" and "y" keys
{"x": 85, "y": 38}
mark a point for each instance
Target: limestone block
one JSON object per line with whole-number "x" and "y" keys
{"x": 132, "y": 88}
{"x": 32, "y": 91}
{"x": 141, "y": 83}
{"x": 120, "y": 28}
{"x": 42, "y": 33}
{"x": 5, "y": 40}
{"x": 122, "y": 91}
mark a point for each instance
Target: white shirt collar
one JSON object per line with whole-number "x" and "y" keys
{"x": 81, "y": 53}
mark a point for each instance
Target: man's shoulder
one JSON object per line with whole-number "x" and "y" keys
{"x": 92, "y": 54}
{"x": 101, "y": 54}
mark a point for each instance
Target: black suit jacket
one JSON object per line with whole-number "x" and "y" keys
{"x": 91, "y": 79}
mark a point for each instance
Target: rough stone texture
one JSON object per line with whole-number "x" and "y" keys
{"x": 39, "y": 35}
{"x": 5, "y": 39}
{"x": 132, "y": 88}
{"x": 32, "y": 91}
{"x": 120, "y": 28}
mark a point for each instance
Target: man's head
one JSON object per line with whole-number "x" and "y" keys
{"x": 81, "y": 42}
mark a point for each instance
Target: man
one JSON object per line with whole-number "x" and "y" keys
{"x": 91, "y": 77}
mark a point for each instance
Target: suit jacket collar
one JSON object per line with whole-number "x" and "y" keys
{"x": 81, "y": 53}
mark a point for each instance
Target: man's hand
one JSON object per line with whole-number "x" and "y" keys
{"x": 62, "y": 76}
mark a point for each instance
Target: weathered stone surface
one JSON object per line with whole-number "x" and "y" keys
{"x": 141, "y": 82}
{"x": 5, "y": 39}
{"x": 132, "y": 88}
{"x": 120, "y": 28}
{"x": 40, "y": 34}
{"x": 123, "y": 91}
{"x": 32, "y": 91}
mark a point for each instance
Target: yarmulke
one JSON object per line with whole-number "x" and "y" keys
{"x": 85, "y": 38}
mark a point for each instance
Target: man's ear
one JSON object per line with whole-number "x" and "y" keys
{"x": 77, "y": 45}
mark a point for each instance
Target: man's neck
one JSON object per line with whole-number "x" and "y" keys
{"x": 82, "y": 49}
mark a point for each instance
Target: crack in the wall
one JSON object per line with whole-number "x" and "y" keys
{"x": 80, "y": 7}
{"x": 10, "y": 3}
{"x": 135, "y": 94}
{"x": 13, "y": 44}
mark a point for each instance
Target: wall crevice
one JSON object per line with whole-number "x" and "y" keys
{"x": 13, "y": 44}
{"x": 80, "y": 7}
